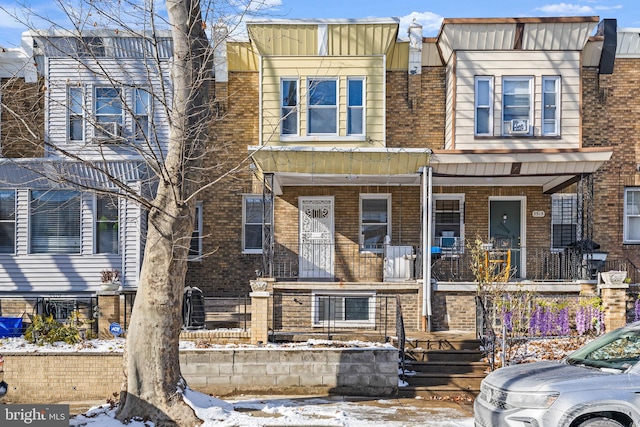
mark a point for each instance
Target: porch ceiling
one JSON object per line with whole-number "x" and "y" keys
{"x": 550, "y": 169}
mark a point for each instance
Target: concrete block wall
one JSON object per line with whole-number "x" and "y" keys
{"x": 72, "y": 377}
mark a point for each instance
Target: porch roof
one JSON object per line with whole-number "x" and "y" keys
{"x": 550, "y": 169}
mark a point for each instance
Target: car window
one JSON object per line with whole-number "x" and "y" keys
{"x": 617, "y": 350}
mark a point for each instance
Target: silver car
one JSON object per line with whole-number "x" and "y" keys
{"x": 596, "y": 386}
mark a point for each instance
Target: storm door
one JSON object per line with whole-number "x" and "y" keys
{"x": 316, "y": 238}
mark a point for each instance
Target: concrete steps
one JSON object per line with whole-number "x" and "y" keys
{"x": 439, "y": 366}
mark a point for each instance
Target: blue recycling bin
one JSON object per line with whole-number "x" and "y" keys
{"x": 10, "y": 327}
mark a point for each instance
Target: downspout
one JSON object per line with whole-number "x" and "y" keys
{"x": 427, "y": 224}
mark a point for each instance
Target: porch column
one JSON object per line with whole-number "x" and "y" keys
{"x": 260, "y": 311}
{"x": 109, "y": 312}
{"x": 614, "y": 305}
{"x": 427, "y": 224}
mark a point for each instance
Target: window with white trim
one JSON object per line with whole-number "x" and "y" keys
{"x": 289, "y": 107}
{"x": 107, "y": 224}
{"x": 564, "y": 221}
{"x": 448, "y": 222}
{"x": 550, "y": 106}
{"x": 7, "y": 221}
{"x": 484, "y": 105}
{"x": 344, "y": 309}
{"x": 195, "y": 247}
{"x": 517, "y": 105}
{"x": 108, "y": 112}
{"x": 631, "y": 226}
{"x": 355, "y": 106}
{"x": 253, "y": 211}
{"x": 75, "y": 118}
{"x": 375, "y": 221}
{"x": 141, "y": 114}
{"x": 322, "y": 108}
{"x": 54, "y": 219}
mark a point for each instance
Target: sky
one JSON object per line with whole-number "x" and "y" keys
{"x": 429, "y": 13}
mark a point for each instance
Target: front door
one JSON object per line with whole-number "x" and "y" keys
{"x": 316, "y": 238}
{"x": 505, "y": 231}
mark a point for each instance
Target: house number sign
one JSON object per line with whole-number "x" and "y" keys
{"x": 537, "y": 214}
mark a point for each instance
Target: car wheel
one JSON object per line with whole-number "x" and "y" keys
{"x": 600, "y": 422}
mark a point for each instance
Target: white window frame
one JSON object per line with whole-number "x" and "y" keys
{"x": 481, "y": 80}
{"x": 562, "y": 219}
{"x": 437, "y": 240}
{"x": 363, "y": 224}
{"x": 196, "y": 236}
{"x": 75, "y": 112}
{"x": 138, "y": 115}
{"x": 99, "y": 221}
{"x": 507, "y": 119}
{"x": 631, "y": 214}
{"x": 319, "y": 107}
{"x": 290, "y": 112}
{"x": 555, "y": 118}
{"x": 9, "y": 220}
{"x": 268, "y": 223}
{"x": 118, "y": 118}
{"x": 316, "y": 305}
{"x": 353, "y": 108}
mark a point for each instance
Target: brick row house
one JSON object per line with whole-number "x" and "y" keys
{"x": 355, "y": 166}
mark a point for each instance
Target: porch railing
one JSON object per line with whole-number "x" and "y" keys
{"x": 397, "y": 262}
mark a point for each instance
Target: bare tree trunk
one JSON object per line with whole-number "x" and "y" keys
{"x": 153, "y": 382}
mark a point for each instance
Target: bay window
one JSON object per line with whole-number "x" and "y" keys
{"x": 484, "y": 106}
{"x": 322, "y": 108}
{"x": 517, "y": 102}
{"x": 289, "y": 107}
{"x": 550, "y": 108}
{"x": 355, "y": 106}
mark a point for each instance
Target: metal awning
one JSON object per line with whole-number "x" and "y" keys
{"x": 550, "y": 169}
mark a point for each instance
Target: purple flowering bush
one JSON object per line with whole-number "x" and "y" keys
{"x": 636, "y": 310}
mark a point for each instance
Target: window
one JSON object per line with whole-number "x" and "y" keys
{"x": 107, "y": 224}
{"x": 357, "y": 309}
{"x": 355, "y": 106}
{"x": 375, "y": 222}
{"x": 108, "y": 108}
{"x": 322, "y": 109}
{"x": 195, "y": 247}
{"x": 516, "y": 105}
{"x": 564, "y": 220}
{"x": 91, "y": 47}
{"x": 254, "y": 212}
{"x": 141, "y": 112}
{"x": 289, "y": 125}
{"x": 484, "y": 106}
{"x": 7, "y": 221}
{"x": 449, "y": 222}
{"x": 550, "y": 110}
{"x": 54, "y": 222}
{"x": 76, "y": 113}
{"x": 632, "y": 215}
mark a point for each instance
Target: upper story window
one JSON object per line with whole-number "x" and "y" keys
{"x": 289, "y": 107}
{"x": 141, "y": 113}
{"x": 7, "y": 221}
{"x": 107, "y": 224}
{"x": 449, "y": 222}
{"x": 75, "y": 102}
{"x": 375, "y": 221}
{"x": 195, "y": 246}
{"x": 54, "y": 218}
{"x": 108, "y": 112}
{"x": 564, "y": 220}
{"x": 484, "y": 106}
{"x": 355, "y": 106}
{"x": 631, "y": 226}
{"x": 253, "y": 212}
{"x": 517, "y": 105}
{"x": 322, "y": 111}
{"x": 550, "y": 109}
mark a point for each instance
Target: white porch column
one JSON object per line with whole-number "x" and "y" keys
{"x": 427, "y": 232}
